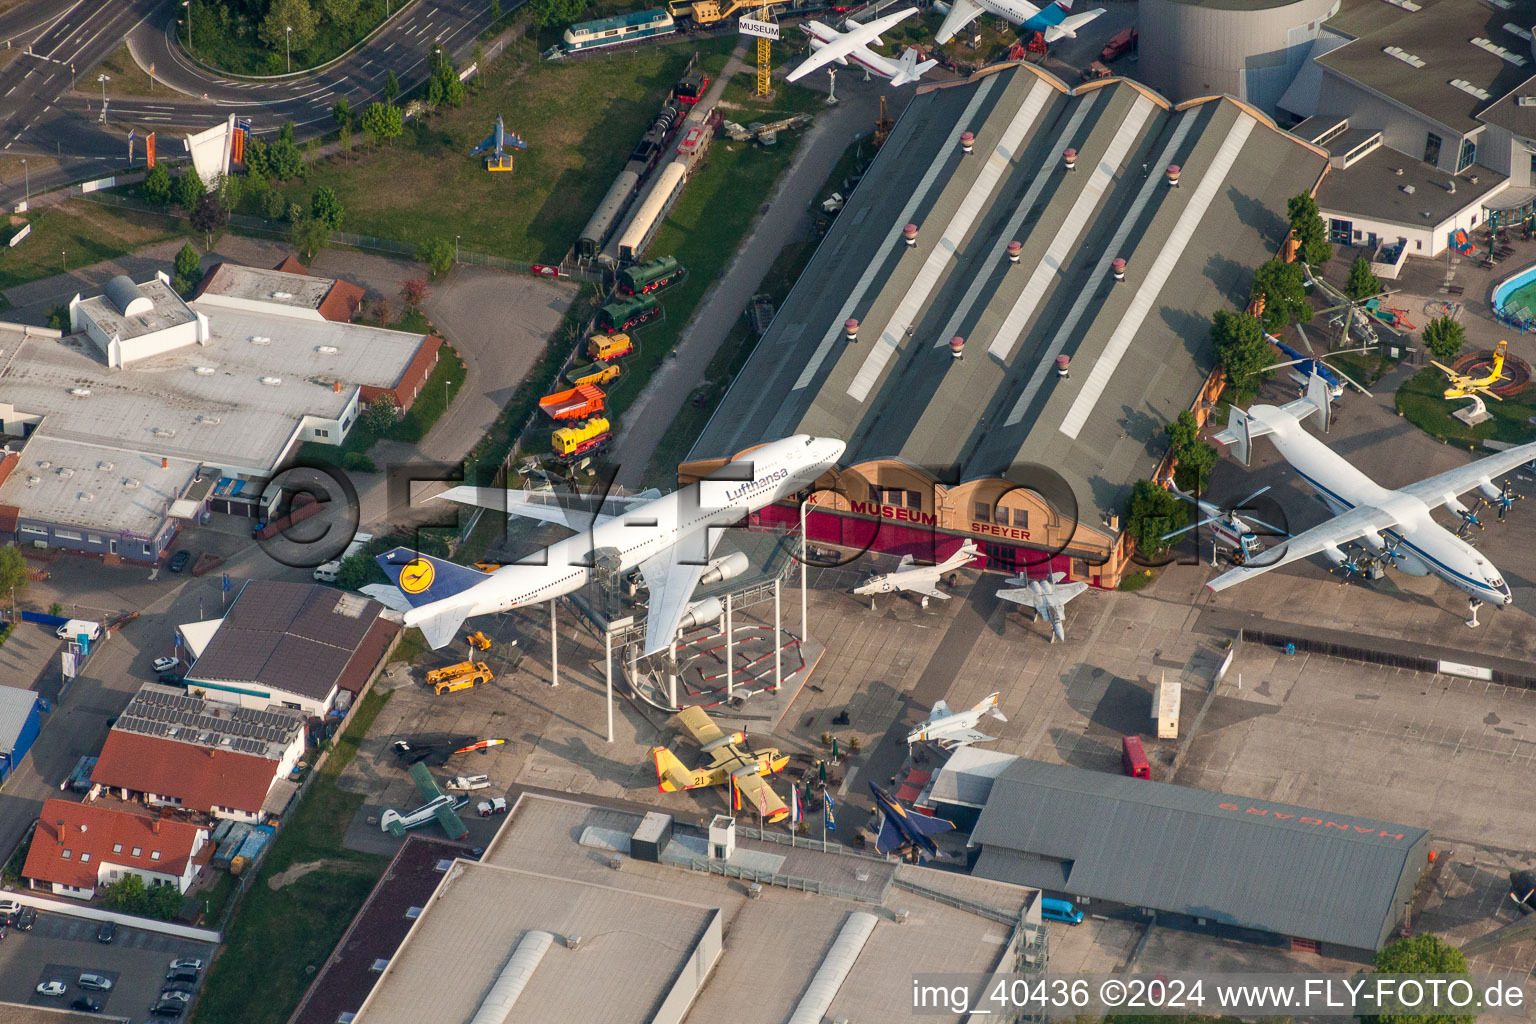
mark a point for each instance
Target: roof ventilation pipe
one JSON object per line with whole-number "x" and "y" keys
{"x": 1173, "y": 175}
{"x": 967, "y": 142}
{"x": 817, "y": 1000}
{"x": 509, "y": 984}
{"x": 957, "y": 347}
{"x": 910, "y": 234}
{"x": 851, "y": 329}
{"x": 1014, "y": 249}
{"x": 1062, "y": 364}
{"x": 1069, "y": 158}
{"x": 1118, "y": 266}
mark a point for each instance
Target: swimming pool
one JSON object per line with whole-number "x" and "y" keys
{"x": 1514, "y": 300}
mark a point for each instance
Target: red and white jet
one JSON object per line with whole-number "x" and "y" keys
{"x": 828, "y": 45}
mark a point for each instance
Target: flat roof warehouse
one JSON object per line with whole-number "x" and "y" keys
{"x": 1137, "y": 349}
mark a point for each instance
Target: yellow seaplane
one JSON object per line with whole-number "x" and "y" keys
{"x": 1466, "y": 386}
{"x": 730, "y": 761}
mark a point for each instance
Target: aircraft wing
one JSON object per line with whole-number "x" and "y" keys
{"x": 425, "y": 784}
{"x": 961, "y": 13}
{"x": 835, "y": 51}
{"x": 672, "y": 585}
{"x": 1339, "y": 530}
{"x": 449, "y": 818}
{"x": 1061, "y": 593}
{"x": 926, "y": 589}
{"x": 539, "y": 505}
{"x": 1437, "y": 490}
{"x": 1069, "y": 25}
{"x": 964, "y": 736}
{"x": 1022, "y": 595}
{"x": 756, "y": 792}
{"x": 697, "y": 723}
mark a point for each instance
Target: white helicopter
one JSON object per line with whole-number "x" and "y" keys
{"x": 1229, "y": 531}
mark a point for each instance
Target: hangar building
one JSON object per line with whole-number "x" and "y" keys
{"x": 1014, "y": 249}
{"x": 1251, "y": 869}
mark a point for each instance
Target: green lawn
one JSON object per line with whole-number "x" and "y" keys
{"x": 739, "y": 104}
{"x": 1421, "y": 401}
{"x": 76, "y": 234}
{"x": 436, "y": 395}
{"x": 580, "y": 119}
{"x": 295, "y": 927}
{"x": 128, "y": 79}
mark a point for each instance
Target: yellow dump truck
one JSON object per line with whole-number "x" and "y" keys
{"x": 463, "y": 676}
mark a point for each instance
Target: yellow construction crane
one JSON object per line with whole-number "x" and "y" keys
{"x": 883, "y": 125}
{"x": 764, "y": 54}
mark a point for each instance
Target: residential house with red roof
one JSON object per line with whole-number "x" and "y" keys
{"x": 78, "y": 848}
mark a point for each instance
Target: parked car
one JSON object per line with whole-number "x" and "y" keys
{"x": 87, "y": 1004}
{"x": 172, "y": 678}
{"x": 107, "y": 932}
{"x": 179, "y": 986}
{"x": 170, "y": 995}
{"x": 170, "y": 1008}
{"x": 189, "y": 963}
{"x": 52, "y": 988}
{"x": 26, "y": 919}
{"x": 182, "y": 975}
{"x": 95, "y": 983}
{"x": 9, "y": 908}
{"x": 166, "y": 664}
{"x": 179, "y": 560}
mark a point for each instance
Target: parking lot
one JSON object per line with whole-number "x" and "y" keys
{"x": 61, "y": 948}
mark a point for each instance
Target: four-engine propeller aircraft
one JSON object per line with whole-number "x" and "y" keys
{"x": 951, "y": 729}
{"x": 900, "y": 829}
{"x": 1396, "y": 525}
{"x": 1048, "y": 597}
{"x": 730, "y": 760}
{"x": 828, "y": 46}
{"x": 670, "y": 539}
{"x": 919, "y": 579}
{"x": 440, "y": 807}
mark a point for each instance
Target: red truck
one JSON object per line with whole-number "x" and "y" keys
{"x": 1119, "y": 45}
{"x": 579, "y": 402}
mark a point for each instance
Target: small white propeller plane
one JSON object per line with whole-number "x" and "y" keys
{"x": 1048, "y": 598}
{"x": 828, "y": 46}
{"x": 918, "y": 579}
{"x": 950, "y": 729}
{"x": 1395, "y": 525}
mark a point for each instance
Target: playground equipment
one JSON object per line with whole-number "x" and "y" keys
{"x": 1397, "y": 318}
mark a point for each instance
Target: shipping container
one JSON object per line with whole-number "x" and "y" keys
{"x": 1166, "y": 712}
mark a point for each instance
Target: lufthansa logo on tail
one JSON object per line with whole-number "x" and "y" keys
{"x": 417, "y": 576}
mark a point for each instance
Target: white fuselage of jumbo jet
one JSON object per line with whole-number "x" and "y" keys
{"x": 724, "y": 498}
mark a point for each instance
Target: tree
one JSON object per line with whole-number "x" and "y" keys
{"x": 381, "y": 414}
{"x": 127, "y": 894}
{"x": 414, "y": 292}
{"x": 1362, "y": 283}
{"x": 163, "y": 902}
{"x": 1151, "y": 513}
{"x": 188, "y": 262}
{"x": 309, "y": 235}
{"x": 556, "y": 12}
{"x": 381, "y": 312}
{"x": 284, "y": 15}
{"x": 229, "y": 190}
{"x": 345, "y": 138}
{"x": 58, "y": 319}
{"x": 437, "y": 254}
{"x": 1421, "y": 954}
{"x": 352, "y": 574}
{"x": 273, "y": 205}
{"x": 1196, "y": 458}
{"x": 1285, "y": 294}
{"x": 209, "y": 216}
{"x": 189, "y": 189}
{"x": 383, "y": 121}
{"x": 391, "y": 88}
{"x": 342, "y": 112}
{"x": 1444, "y": 338}
{"x": 283, "y": 160}
{"x": 340, "y": 12}
{"x": 325, "y": 206}
{"x": 13, "y": 572}
{"x": 1308, "y": 229}
{"x": 495, "y": 11}
{"x": 157, "y": 185}
{"x": 444, "y": 87}
{"x": 1238, "y": 341}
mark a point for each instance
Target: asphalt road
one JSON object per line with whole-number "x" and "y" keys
{"x": 45, "y": 111}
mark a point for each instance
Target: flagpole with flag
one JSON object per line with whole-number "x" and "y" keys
{"x": 828, "y": 820}
{"x": 794, "y": 812}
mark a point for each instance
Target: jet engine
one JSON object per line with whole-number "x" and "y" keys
{"x": 701, "y": 613}
{"x": 724, "y": 568}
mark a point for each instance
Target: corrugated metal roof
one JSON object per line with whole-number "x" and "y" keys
{"x": 1249, "y": 863}
{"x": 16, "y": 707}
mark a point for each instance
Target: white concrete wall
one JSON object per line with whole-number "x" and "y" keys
{"x": 1402, "y": 129}
{"x": 272, "y": 307}
{"x": 88, "y": 913}
{"x": 1423, "y": 241}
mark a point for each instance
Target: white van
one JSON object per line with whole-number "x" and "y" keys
{"x": 74, "y": 627}
{"x": 327, "y": 573}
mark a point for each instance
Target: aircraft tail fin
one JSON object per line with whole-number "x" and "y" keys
{"x": 925, "y": 825}
{"x": 988, "y": 705}
{"x": 671, "y": 774}
{"x": 910, "y": 70}
{"x": 890, "y": 837}
{"x": 1314, "y": 402}
{"x": 1238, "y": 436}
{"x": 425, "y": 580}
